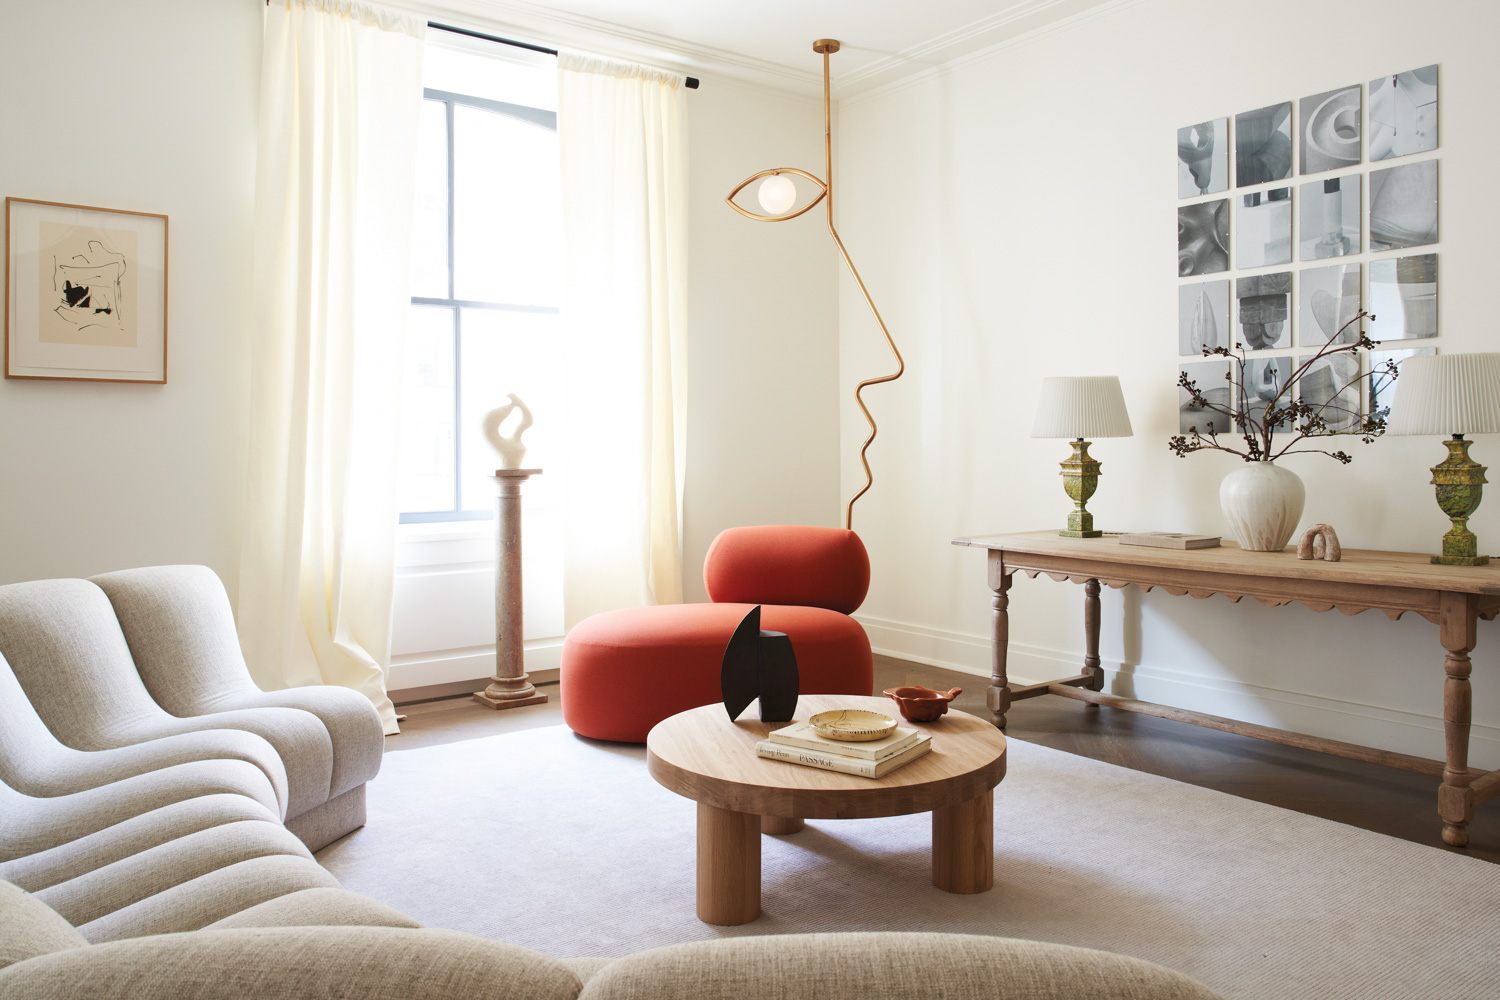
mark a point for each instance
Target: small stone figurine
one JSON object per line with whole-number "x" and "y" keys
{"x": 511, "y": 450}
{"x": 1320, "y": 542}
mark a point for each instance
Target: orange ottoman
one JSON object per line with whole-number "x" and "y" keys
{"x": 625, "y": 671}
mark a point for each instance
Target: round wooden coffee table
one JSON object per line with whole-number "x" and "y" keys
{"x": 702, "y": 755}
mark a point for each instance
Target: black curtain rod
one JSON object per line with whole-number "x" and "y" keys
{"x": 691, "y": 83}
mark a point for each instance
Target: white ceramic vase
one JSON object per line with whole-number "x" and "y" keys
{"x": 1262, "y": 503}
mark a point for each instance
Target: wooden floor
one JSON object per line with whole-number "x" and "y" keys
{"x": 1397, "y": 803}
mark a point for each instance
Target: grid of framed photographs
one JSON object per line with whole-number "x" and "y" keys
{"x": 1316, "y": 227}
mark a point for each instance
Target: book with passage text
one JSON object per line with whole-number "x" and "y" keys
{"x": 800, "y": 734}
{"x": 843, "y": 765}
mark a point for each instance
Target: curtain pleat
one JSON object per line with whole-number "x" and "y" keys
{"x": 341, "y": 90}
{"x": 622, "y": 135}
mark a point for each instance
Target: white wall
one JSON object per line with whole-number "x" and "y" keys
{"x": 153, "y": 110}
{"x": 763, "y": 317}
{"x": 1014, "y": 214}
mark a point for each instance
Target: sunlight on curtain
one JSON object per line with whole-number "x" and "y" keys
{"x": 341, "y": 88}
{"x": 622, "y": 133}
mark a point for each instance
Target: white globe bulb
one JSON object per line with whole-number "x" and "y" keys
{"x": 777, "y": 194}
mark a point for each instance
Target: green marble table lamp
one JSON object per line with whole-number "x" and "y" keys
{"x": 1078, "y": 407}
{"x": 1453, "y": 394}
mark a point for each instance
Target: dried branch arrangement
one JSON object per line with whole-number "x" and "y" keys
{"x": 1262, "y": 428}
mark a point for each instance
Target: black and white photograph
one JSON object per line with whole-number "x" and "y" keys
{"x": 1202, "y": 316}
{"x": 1333, "y": 384}
{"x": 1263, "y": 145}
{"x": 1404, "y": 113}
{"x": 1203, "y": 158}
{"x": 1403, "y": 298}
{"x": 1265, "y": 306}
{"x": 1328, "y": 211}
{"x": 1404, "y": 206}
{"x": 1212, "y": 379}
{"x": 1330, "y": 130}
{"x": 1264, "y": 379}
{"x": 1263, "y": 228}
{"x": 1382, "y": 383}
{"x": 1330, "y": 299}
{"x": 1203, "y": 238}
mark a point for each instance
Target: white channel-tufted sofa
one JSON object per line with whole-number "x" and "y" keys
{"x": 43, "y": 958}
{"x": 146, "y": 784}
{"x": 158, "y": 812}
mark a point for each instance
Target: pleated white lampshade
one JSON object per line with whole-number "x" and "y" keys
{"x": 1447, "y": 394}
{"x": 1084, "y": 406}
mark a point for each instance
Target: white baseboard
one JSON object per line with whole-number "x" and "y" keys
{"x": 459, "y": 689}
{"x": 450, "y": 666}
{"x": 1401, "y": 731}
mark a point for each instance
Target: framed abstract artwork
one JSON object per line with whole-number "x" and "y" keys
{"x": 85, "y": 293}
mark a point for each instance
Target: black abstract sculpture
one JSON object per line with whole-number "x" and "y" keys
{"x": 759, "y": 664}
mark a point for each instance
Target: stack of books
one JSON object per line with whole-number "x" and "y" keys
{"x": 799, "y": 743}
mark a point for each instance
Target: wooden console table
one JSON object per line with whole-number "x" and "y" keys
{"x": 1452, "y": 597}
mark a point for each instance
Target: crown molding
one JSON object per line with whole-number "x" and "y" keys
{"x": 560, "y": 28}
{"x": 1021, "y": 20}
{"x": 928, "y": 54}
{"x": 1061, "y": 22}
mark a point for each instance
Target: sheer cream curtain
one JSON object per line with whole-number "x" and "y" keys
{"x": 341, "y": 89}
{"x": 622, "y": 136}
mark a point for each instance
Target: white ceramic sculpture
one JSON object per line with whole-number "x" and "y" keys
{"x": 510, "y": 449}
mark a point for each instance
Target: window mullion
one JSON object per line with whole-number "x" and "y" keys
{"x": 458, "y": 383}
{"x": 458, "y": 408}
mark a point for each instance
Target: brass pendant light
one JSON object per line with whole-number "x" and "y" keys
{"x": 777, "y": 199}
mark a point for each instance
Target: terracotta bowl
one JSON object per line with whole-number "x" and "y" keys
{"x": 921, "y": 704}
{"x": 852, "y": 725}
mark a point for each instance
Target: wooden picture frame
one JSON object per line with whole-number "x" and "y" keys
{"x": 85, "y": 293}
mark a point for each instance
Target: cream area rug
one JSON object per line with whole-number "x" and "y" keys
{"x": 567, "y": 846}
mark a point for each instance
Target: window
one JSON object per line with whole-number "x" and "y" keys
{"x": 486, "y": 280}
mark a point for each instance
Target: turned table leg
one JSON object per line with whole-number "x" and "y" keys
{"x": 1455, "y": 797}
{"x": 963, "y": 845}
{"x": 1091, "y": 667}
{"x": 728, "y": 866}
{"x": 997, "y": 698}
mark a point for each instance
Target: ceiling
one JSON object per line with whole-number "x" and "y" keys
{"x": 770, "y": 41}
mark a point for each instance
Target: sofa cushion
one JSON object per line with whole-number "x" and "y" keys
{"x": 131, "y": 879}
{"x": 29, "y": 927}
{"x": 201, "y": 901}
{"x": 856, "y": 966}
{"x": 35, "y": 872}
{"x": 180, "y": 628}
{"x": 317, "y": 908}
{"x": 625, "y": 671}
{"x": 30, "y": 824}
{"x": 295, "y": 963}
{"x": 788, "y": 564}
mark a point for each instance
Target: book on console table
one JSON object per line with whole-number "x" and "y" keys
{"x": 1169, "y": 540}
{"x": 844, "y": 765}
{"x": 800, "y": 734}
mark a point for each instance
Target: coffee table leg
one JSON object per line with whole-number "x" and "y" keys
{"x": 963, "y": 845}
{"x": 780, "y": 826}
{"x": 728, "y": 866}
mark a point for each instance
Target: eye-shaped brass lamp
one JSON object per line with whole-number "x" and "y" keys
{"x": 777, "y": 195}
